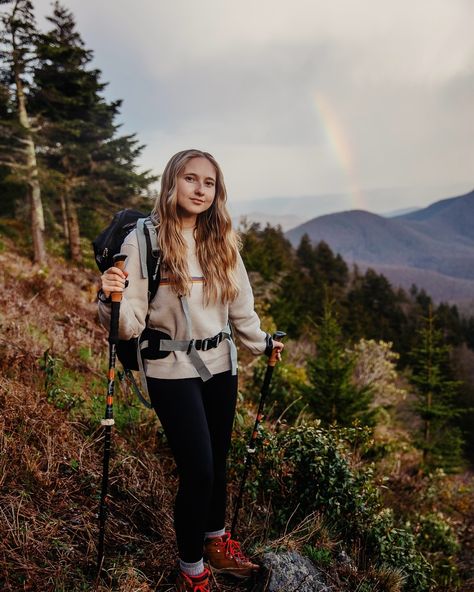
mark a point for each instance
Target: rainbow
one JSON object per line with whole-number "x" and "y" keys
{"x": 339, "y": 143}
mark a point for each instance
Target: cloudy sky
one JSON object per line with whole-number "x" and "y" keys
{"x": 297, "y": 98}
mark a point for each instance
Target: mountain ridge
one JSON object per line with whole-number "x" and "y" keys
{"x": 437, "y": 239}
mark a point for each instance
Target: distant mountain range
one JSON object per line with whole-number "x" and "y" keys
{"x": 290, "y": 212}
{"x": 432, "y": 247}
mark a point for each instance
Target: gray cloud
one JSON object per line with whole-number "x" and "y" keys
{"x": 241, "y": 79}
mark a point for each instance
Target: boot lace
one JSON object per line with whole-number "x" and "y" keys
{"x": 232, "y": 549}
{"x": 204, "y": 587}
{"x": 199, "y": 587}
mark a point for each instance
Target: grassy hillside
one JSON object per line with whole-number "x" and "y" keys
{"x": 53, "y": 360}
{"x": 311, "y": 490}
{"x": 53, "y": 364}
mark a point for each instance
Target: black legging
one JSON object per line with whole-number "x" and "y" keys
{"x": 197, "y": 418}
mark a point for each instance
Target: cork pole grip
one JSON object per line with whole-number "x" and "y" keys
{"x": 273, "y": 359}
{"x": 119, "y": 261}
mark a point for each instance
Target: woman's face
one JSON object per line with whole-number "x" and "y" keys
{"x": 196, "y": 189}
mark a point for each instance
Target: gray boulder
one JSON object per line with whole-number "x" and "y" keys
{"x": 289, "y": 572}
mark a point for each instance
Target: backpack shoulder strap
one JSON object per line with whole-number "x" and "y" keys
{"x": 150, "y": 256}
{"x": 153, "y": 257}
{"x": 142, "y": 246}
{"x": 151, "y": 229}
{"x": 150, "y": 259}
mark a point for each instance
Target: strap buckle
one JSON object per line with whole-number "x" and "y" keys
{"x": 207, "y": 343}
{"x": 211, "y": 342}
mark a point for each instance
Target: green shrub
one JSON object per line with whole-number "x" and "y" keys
{"x": 88, "y": 258}
{"x": 318, "y": 555}
{"x": 436, "y": 538}
{"x": 132, "y": 419}
{"x": 14, "y": 229}
{"x": 62, "y": 386}
{"x": 396, "y": 546}
{"x": 307, "y": 469}
{"x": 436, "y": 535}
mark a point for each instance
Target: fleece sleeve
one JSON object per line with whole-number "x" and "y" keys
{"x": 242, "y": 315}
{"x": 134, "y": 305}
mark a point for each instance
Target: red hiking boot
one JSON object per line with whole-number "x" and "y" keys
{"x": 225, "y": 556}
{"x": 185, "y": 583}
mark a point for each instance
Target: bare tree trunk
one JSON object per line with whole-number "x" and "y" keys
{"x": 36, "y": 210}
{"x": 73, "y": 226}
{"x": 62, "y": 202}
{"x": 427, "y": 430}
{"x": 32, "y": 180}
{"x": 429, "y": 394}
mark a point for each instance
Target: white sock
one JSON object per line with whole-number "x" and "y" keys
{"x": 192, "y": 569}
{"x": 214, "y": 533}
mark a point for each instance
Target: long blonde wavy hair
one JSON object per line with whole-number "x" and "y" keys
{"x": 217, "y": 244}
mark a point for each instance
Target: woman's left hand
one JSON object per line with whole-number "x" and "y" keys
{"x": 278, "y": 345}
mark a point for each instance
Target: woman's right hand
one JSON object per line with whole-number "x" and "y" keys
{"x": 113, "y": 280}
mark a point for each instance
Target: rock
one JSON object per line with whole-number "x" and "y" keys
{"x": 344, "y": 559}
{"x": 289, "y": 572}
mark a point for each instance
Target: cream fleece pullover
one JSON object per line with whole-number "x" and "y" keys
{"x": 166, "y": 315}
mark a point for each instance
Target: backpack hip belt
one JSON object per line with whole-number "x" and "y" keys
{"x": 192, "y": 346}
{"x": 169, "y": 345}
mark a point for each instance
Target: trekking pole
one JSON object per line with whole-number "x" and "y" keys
{"x": 272, "y": 360}
{"x": 108, "y": 422}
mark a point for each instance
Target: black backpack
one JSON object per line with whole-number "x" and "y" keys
{"x": 106, "y": 245}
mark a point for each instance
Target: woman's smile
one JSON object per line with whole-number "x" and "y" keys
{"x": 196, "y": 189}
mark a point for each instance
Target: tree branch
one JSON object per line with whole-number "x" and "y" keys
{"x": 13, "y": 165}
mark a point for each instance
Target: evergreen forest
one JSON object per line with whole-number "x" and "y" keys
{"x": 364, "y": 460}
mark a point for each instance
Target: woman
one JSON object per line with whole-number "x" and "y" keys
{"x": 203, "y": 288}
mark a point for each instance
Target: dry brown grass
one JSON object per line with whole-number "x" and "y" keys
{"x": 51, "y": 459}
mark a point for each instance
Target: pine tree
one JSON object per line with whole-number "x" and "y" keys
{"x": 323, "y": 266}
{"x": 266, "y": 250}
{"x": 10, "y": 133}
{"x": 293, "y": 301}
{"x": 96, "y": 166}
{"x": 450, "y": 323}
{"x": 305, "y": 253}
{"x": 18, "y": 135}
{"x": 333, "y": 395}
{"x": 315, "y": 273}
{"x": 468, "y": 331}
{"x": 438, "y": 398}
{"x": 332, "y": 268}
{"x": 374, "y": 309}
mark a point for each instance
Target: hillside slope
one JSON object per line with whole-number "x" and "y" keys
{"x": 52, "y": 386}
{"x": 452, "y": 219}
{"x": 53, "y": 368}
{"x": 53, "y": 362}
